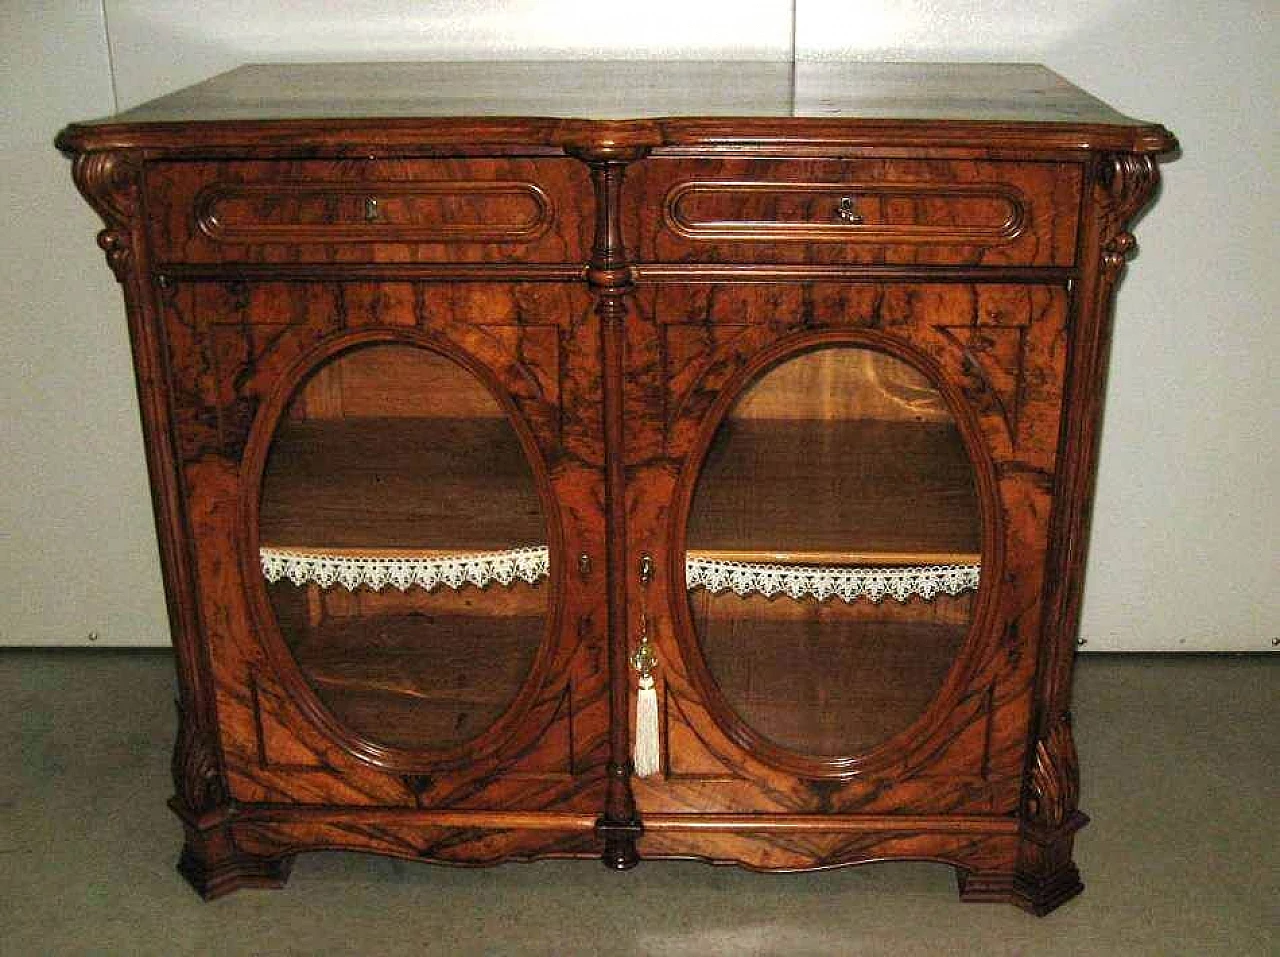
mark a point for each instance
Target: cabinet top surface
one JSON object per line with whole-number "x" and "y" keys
{"x": 645, "y": 102}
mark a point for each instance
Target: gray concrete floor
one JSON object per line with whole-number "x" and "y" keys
{"x": 1179, "y": 758}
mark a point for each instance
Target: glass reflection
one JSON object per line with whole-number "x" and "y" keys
{"x": 833, "y": 550}
{"x": 404, "y": 545}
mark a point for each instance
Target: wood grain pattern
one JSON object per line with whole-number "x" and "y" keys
{"x": 609, "y": 279}
{"x": 449, "y": 484}
{"x": 429, "y": 210}
{"x": 530, "y": 751}
{"x": 404, "y": 383}
{"x": 821, "y": 687}
{"x": 420, "y": 675}
{"x": 443, "y": 211}
{"x": 1121, "y": 186}
{"x": 685, "y": 247}
{"x": 911, "y": 319}
{"x": 835, "y": 486}
{"x": 294, "y": 108}
{"x": 920, "y": 212}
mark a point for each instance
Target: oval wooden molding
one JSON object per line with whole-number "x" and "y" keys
{"x": 220, "y": 223}
{"x": 724, "y": 716}
{"x": 518, "y": 724}
{"x": 676, "y": 219}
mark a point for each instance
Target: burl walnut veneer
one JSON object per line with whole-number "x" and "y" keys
{"x": 781, "y": 383}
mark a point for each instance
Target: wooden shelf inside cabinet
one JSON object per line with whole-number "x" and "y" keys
{"x": 823, "y": 685}
{"x": 399, "y": 482}
{"x": 414, "y": 668}
{"x": 906, "y": 487}
{"x": 407, "y": 674}
{"x": 429, "y": 487}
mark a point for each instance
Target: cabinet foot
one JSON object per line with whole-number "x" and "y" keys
{"x": 1036, "y": 895}
{"x": 1044, "y": 878}
{"x": 1041, "y": 894}
{"x": 619, "y": 852}
{"x": 216, "y": 878}
{"x": 214, "y": 866}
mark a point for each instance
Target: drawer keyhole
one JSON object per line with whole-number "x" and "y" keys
{"x": 371, "y": 212}
{"x": 846, "y": 212}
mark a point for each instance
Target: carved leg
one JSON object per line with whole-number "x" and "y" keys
{"x": 213, "y": 865}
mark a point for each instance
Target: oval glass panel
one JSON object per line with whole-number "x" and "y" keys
{"x": 404, "y": 546}
{"x": 832, "y": 551}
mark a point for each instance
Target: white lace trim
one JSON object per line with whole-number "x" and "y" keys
{"x": 826, "y": 581}
{"x": 377, "y": 572}
{"x": 533, "y": 563}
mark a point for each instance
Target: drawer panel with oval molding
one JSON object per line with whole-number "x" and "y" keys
{"x": 425, "y": 210}
{"x": 863, "y": 211}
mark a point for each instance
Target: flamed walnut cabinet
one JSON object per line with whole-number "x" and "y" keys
{"x": 623, "y": 460}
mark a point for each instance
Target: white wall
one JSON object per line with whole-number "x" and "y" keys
{"x": 77, "y": 543}
{"x": 1185, "y": 529}
{"x": 217, "y": 35}
{"x": 1186, "y": 534}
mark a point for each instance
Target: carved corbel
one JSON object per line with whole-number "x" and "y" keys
{"x": 1046, "y": 877}
{"x": 197, "y": 780}
{"x": 1126, "y": 182}
{"x": 1054, "y": 792}
{"x": 109, "y": 181}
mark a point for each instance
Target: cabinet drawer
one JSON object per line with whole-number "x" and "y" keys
{"x": 474, "y": 210}
{"x": 901, "y": 211}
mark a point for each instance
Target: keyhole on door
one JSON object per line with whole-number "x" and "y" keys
{"x": 847, "y": 212}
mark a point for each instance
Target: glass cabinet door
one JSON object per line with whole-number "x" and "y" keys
{"x": 833, "y": 550}
{"x": 404, "y": 546}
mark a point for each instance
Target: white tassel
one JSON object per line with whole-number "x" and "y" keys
{"x": 645, "y": 755}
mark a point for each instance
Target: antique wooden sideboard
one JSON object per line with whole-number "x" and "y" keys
{"x": 623, "y": 460}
